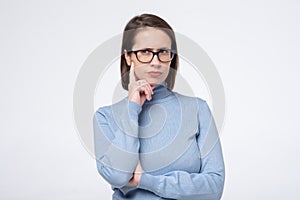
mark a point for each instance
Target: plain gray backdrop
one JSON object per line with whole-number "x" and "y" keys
{"x": 254, "y": 44}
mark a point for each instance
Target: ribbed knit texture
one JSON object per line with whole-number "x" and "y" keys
{"x": 175, "y": 139}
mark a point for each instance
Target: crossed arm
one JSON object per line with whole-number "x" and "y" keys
{"x": 207, "y": 184}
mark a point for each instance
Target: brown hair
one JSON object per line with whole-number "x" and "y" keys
{"x": 130, "y": 31}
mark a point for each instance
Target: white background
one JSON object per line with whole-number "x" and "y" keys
{"x": 254, "y": 44}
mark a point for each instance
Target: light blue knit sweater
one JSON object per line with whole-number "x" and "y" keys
{"x": 175, "y": 139}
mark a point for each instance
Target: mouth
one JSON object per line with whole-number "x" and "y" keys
{"x": 154, "y": 73}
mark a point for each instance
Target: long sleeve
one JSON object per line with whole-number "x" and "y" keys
{"x": 116, "y": 141}
{"x": 209, "y": 182}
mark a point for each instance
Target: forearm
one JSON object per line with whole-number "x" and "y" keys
{"x": 208, "y": 183}
{"x": 182, "y": 185}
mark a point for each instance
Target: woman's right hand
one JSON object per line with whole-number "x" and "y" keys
{"x": 138, "y": 90}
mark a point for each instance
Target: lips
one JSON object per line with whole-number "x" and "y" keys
{"x": 154, "y": 73}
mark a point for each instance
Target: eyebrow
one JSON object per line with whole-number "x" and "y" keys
{"x": 162, "y": 48}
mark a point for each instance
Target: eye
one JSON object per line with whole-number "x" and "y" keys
{"x": 164, "y": 51}
{"x": 145, "y": 51}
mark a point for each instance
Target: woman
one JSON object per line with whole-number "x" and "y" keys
{"x": 156, "y": 143}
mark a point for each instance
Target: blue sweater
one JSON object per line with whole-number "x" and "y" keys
{"x": 175, "y": 139}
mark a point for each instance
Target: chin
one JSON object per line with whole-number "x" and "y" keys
{"x": 154, "y": 81}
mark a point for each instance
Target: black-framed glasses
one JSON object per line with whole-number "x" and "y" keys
{"x": 147, "y": 55}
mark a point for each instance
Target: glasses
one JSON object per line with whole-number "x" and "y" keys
{"x": 146, "y": 55}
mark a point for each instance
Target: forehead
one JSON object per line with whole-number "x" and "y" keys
{"x": 151, "y": 38}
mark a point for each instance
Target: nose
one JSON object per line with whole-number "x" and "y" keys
{"x": 155, "y": 60}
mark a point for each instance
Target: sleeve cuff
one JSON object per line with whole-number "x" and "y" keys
{"x": 134, "y": 110}
{"x": 148, "y": 182}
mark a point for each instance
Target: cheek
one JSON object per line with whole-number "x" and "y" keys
{"x": 166, "y": 70}
{"x": 139, "y": 72}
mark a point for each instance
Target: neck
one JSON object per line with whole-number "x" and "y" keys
{"x": 160, "y": 92}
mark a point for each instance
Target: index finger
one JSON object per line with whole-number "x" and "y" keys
{"x": 132, "y": 78}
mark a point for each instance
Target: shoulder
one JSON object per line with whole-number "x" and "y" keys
{"x": 196, "y": 102}
{"x": 107, "y": 111}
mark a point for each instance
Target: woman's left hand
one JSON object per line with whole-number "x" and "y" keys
{"x": 134, "y": 181}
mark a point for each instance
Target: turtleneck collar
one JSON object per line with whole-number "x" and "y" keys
{"x": 160, "y": 92}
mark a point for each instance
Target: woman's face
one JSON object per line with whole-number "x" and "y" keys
{"x": 154, "y": 72}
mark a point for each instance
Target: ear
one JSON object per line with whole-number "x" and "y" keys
{"x": 127, "y": 58}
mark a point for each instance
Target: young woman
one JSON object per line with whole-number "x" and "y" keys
{"x": 156, "y": 143}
